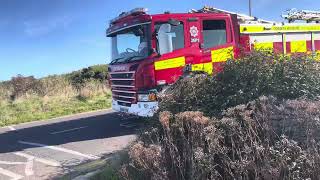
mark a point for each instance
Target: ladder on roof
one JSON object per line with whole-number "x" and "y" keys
{"x": 242, "y": 18}
{"x": 304, "y": 15}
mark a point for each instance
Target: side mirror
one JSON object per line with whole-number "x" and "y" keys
{"x": 165, "y": 39}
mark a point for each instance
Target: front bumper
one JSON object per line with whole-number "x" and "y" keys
{"x": 144, "y": 109}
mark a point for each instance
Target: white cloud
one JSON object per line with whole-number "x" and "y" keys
{"x": 38, "y": 28}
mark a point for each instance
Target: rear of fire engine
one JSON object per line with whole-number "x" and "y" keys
{"x": 151, "y": 52}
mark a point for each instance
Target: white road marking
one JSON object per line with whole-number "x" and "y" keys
{"x": 14, "y": 176}
{"x": 88, "y": 156}
{"x": 11, "y": 128}
{"x": 11, "y": 163}
{"x": 128, "y": 125}
{"x": 68, "y": 130}
{"x": 44, "y": 161}
{"x": 29, "y": 168}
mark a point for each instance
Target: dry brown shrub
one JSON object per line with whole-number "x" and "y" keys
{"x": 148, "y": 160}
{"x": 264, "y": 139}
{"x": 57, "y": 85}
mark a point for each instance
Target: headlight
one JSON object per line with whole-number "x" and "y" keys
{"x": 147, "y": 97}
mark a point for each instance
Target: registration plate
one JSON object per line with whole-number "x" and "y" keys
{"x": 122, "y": 109}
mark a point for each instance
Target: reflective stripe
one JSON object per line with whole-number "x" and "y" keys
{"x": 221, "y": 55}
{"x": 170, "y": 63}
{"x": 284, "y": 43}
{"x": 247, "y": 29}
{"x": 264, "y": 46}
{"x": 278, "y": 28}
{"x": 298, "y": 46}
{"x": 205, "y": 67}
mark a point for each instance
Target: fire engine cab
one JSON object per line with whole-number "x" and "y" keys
{"x": 151, "y": 52}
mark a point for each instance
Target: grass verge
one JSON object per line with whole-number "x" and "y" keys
{"x": 39, "y": 108}
{"x": 35, "y": 108}
{"x": 25, "y": 99}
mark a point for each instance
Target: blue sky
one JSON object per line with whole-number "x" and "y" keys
{"x": 42, "y": 37}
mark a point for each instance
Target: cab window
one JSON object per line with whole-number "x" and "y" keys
{"x": 176, "y": 33}
{"x": 178, "y": 39}
{"x": 214, "y": 33}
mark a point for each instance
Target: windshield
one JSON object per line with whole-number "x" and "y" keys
{"x": 131, "y": 44}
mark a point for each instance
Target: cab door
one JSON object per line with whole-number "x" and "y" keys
{"x": 217, "y": 41}
{"x": 171, "y": 61}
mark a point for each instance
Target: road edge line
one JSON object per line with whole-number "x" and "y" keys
{"x": 88, "y": 156}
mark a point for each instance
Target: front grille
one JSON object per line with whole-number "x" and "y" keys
{"x": 124, "y": 93}
{"x": 122, "y": 82}
{"x": 124, "y": 75}
{"x": 122, "y": 79}
{"x": 123, "y": 87}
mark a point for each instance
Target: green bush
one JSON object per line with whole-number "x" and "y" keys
{"x": 97, "y": 72}
{"x": 245, "y": 80}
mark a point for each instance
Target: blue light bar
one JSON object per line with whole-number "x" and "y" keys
{"x": 132, "y": 12}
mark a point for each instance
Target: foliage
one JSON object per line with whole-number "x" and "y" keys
{"x": 39, "y": 108}
{"x": 26, "y": 99}
{"x": 264, "y": 139}
{"x": 108, "y": 173}
{"x": 5, "y": 91}
{"x": 258, "y": 119}
{"x": 245, "y": 80}
{"x": 21, "y": 85}
{"x": 97, "y": 72}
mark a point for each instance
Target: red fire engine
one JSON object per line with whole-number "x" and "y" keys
{"x": 151, "y": 52}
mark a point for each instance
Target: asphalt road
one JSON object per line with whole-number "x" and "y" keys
{"x": 47, "y": 149}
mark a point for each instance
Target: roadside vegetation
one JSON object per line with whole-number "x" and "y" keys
{"x": 258, "y": 119}
{"x": 24, "y": 99}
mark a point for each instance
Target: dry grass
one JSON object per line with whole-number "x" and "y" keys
{"x": 57, "y": 97}
{"x": 5, "y": 91}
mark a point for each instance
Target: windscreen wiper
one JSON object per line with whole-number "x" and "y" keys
{"x": 132, "y": 57}
{"x": 115, "y": 60}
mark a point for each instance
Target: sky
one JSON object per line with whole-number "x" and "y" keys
{"x": 46, "y": 37}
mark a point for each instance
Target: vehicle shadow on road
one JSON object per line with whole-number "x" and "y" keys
{"x": 89, "y": 128}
